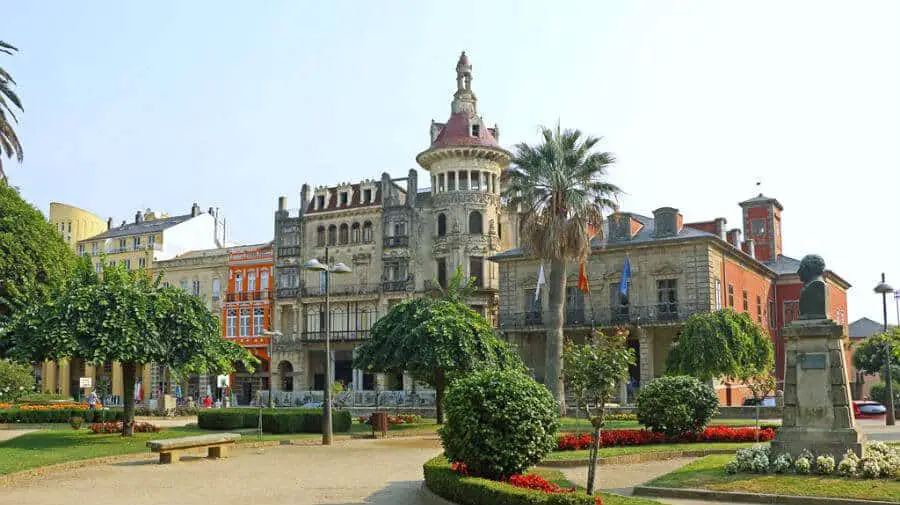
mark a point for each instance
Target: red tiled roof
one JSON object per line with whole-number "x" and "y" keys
{"x": 456, "y": 132}
{"x": 355, "y": 199}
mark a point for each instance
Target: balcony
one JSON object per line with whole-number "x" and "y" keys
{"x": 402, "y": 285}
{"x": 656, "y": 314}
{"x": 289, "y": 251}
{"x": 336, "y": 335}
{"x": 339, "y": 289}
{"x": 248, "y": 296}
{"x": 398, "y": 241}
{"x": 288, "y": 292}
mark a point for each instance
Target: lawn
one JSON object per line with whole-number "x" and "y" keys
{"x": 49, "y": 447}
{"x": 557, "y": 477}
{"x": 708, "y": 473}
{"x": 606, "y": 452}
{"x": 572, "y": 424}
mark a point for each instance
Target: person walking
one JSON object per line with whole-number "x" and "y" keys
{"x": 93, "y": 399}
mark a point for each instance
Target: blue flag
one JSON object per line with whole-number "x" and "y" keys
{"x": 626, "y": 275}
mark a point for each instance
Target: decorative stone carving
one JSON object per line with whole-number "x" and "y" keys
{"x": 812, "y": 296}
{"x": 667, "y": 270}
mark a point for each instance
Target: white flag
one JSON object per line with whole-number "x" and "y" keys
{"x": 540, "y": 282}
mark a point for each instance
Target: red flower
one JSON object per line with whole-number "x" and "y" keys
{"x": 460, "y": 468}
{"x": 611, "y": 438}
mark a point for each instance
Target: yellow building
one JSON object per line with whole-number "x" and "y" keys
{"x": 75, "y": 224}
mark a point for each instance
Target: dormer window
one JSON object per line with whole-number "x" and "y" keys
{"x": 367, "y": 196}
{"x": 476, "y": 130}
{"x": 320, "y": 202}
{"x": 344, "y": 199}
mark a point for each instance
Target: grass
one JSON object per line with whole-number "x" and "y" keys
{"x": 49, "y": 447}
{"x": 558, "y": 478}
{"x": 606, "y": 452}
{"x": 573, "y": 425}
{"x": 709, "y": 473}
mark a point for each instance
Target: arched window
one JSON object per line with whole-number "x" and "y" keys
{"x": 251, "y": 281}
{"x": 367, "y": 232}
{"x": 442, "y": 225}
{"x": 238, "y": 283}
{"x": 320, "y": 236}
{"x": 344, "y": 234}
{"x": 354, "y": 233}
{"x": 476, "y": 227}
{"x": 332, "y": 235}
{"x": 264, "y": 280}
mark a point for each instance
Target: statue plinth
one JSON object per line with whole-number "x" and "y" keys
{"x": 817, "y": 411}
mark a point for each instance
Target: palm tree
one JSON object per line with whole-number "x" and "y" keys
{"x": 458, "y": 287}
{"x": 9, "y": 101}
{"x": 561, "y": 191}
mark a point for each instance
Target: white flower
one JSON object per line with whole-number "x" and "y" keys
{"x": 21, "y": 388}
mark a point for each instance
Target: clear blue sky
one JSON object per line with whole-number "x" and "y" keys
{"x": 230, "y": 104}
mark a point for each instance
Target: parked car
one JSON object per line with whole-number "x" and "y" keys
{"x": 768, "y": 401}
{"x": 868, "y": 409}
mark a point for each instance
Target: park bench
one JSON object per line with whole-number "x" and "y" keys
{"x": 170, "y": 449}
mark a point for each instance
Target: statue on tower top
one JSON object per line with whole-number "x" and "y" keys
{"x": 463, "y": 73}
{"x": 463, "y": 100}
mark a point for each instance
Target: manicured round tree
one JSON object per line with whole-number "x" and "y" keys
{"x": 676, "y": 404}
{"x": 15, "y": 381}
{"x": 498, "y": 423}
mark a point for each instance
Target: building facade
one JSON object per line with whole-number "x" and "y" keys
{"x": 677, "y": 269}
{"x": 74, "y": 224}
{"x": 399, "y": 240}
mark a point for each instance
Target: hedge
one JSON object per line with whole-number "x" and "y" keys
{"x": 15, "y": 415}
{"x": 446, "y": 483}
{"x": 273, "y": 420}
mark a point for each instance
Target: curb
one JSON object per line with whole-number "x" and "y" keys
{"x": 641, "y": 457}
{"x": 428, "y": 497}
{"x": 732, "y": 497}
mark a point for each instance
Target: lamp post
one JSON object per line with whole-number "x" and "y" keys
{"x": 327, "y": 269}
{"x": 271, "y": 335}
{"x": 884, "y": 289}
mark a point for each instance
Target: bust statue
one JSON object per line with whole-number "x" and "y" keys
{"x": 812, "y": 296}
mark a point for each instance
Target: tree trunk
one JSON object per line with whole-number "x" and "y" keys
{"x": 440, "y": 383}
{"x": 129, "y": 370}
{"x": 592, "y": 467}
{"x": 554, "y": 346}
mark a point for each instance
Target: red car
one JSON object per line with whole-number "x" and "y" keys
{"x": 868, "y": 409}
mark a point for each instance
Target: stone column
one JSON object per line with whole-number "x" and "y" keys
{"x": 276, "y": 326}
{"x": 63, "y": 378}
{"x": 494, "y": 184}
{"x": 407, "y": 381}
{"x": 645, "y": 345}
{"x": 380, "y": 381}
{"x": 115, "y": 380}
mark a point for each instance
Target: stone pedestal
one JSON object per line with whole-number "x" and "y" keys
{"x": 817, "y": 410}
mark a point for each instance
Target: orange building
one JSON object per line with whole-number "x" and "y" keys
{"x": 247, "y": 314}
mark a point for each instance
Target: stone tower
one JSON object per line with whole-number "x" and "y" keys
{"x": 762, "y": 226}
{"x": 465, "y": 162}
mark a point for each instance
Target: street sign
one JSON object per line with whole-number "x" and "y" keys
{"x": 84, "y": 382}
{"x": 222, "y": 381}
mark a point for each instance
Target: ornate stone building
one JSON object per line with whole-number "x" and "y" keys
{"x": 398, "y": 239}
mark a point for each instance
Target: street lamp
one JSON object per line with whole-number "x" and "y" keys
{"x": 884, "y": 289}
{"x": 328, "y": 269}
{"x": 271, "y": 335}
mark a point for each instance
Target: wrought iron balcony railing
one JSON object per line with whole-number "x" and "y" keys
{"x": 403, "y": 285}
{"x": 288, "y": 292}
{"x": 288, "y": 251}
{"x": 398, "y": 241}
{"x": 246, "y": 296}
{"x": 339, "y": 289}
{"x": 336, "y": 335}
{"x": 656, "y": 314}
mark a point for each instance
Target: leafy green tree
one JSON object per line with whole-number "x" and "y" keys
{"x": 16, "y": 381}
{"x": 594, "y": 371}
{"x": 724, "y": 343}
{"x": 436, "y": 341}
{"x": 34, "y": 260}
{"x": 560, "y": 186}
{"x": 457, "y": 289}
{"x": 9, "y": 103}
{"x": 125, "y": 317}
{"x": 869, "y": 355}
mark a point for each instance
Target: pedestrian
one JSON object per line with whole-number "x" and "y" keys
{"x": 93, "y": 400}
{"x": 207, "y": 402}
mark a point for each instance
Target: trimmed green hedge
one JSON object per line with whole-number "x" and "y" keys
{"x": 446, "y": 483}
{"x": 273, "y": 420}
{"x": 15, "y": 415}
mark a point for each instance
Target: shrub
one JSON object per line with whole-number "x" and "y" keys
{"x": 15, "y": 381}
{"x": 394, "y": 420}
{"x": 40, "y": 398}
{"x": 446, "y": 482}
{"x": 753, "y": 459}
{"x": 783, "y": 463}
{"x": 274, "y": 420}
{"x": 49, "y": 414}
{"x": 802, "y": 465}
{"x": 869, "y": 468}
{"x": 879, "y": 393}
{"x": 825, "y": 465}
{"x": 498, "y": 423}
{"x": 101, "y": 428}
{"x": 676, "y": 404}
{"x": 75, "y": 422}
{"x": 849, "y": 465}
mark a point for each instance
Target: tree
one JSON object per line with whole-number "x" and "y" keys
{"x": 34, "y": 260}
{"x": 724, "y": 343}
{"x": 436, "y": 341}
{"x": 15, "y": 380}
{"x": 128, "y": 318}
{"x": 594, "y": 371}
{"x": 760, "y": 385}
{"x": 457, "y": 289}
{"x": 9, "y": 103}
{"x": 561, "y": 190}
{"x": 869, "y": 355}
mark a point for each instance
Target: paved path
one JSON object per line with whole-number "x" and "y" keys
{"x": 10, "y": 434}
{"x": 348, "y": 473}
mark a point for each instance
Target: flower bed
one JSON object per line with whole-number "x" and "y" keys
{"x": 53, "y": 406}
{"x": 100, "y": 428}
{"x": 878, "y": 461}
{"x": 612, "y": 438}
{"x": 394, "y": 420}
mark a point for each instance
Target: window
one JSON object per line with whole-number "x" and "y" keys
{"x": 332, "y": 235}
{"x": 354, "y": 233}
{"x": 195, "y": 287}
{"x": 475, "y": 223}
{"x": 367, "y": 232}
{"x": 112, "y": 263}
{"x": 574, "y": 305}
{"x": 183, "y": 285}
{"x": 462, "y": 181}
{"x": 127, "y": 264}
{"x": 80, "y": 249}
{"x": 746, "y": 301}
{"x": 499, "y": 230}
{"x": 451, "y": 181}
{"x": 476, "y": 181}
{"x": 667, "y": 297}
{"x": 94, "y": 248}
{"x": 758, "y": 227}
{"x": 151, "y": 240}
{"x": 476, "y": 267}
{"x": 344, "y": 199}
{"x": 251, "y": 281}
{"x": 216, "y": 289}
{"x": 245, "y": 323}
{"x": 367, "y": 196}
{"x": 264, "y": 280}
{"x": 731, "y": 295}
{"x": 532, "y": 307}
{"x": 618, "y": 302}
{"x": 320, "y": 202}
{"x": 772, "y": 323}
{"x": 758, "y": 309}
{"x": 718, "y": 294}
{"x": 791, "y": 310}
{"x": 442, "y": 272}
{"x": 258, "y": 321}
{"x": 442, "y": 225}
{"x": 345, "y": 233}
{"x": 230, "y": 322}
{"x": 320, "y": 236}
{"x": 123, "y": 244}
{"x": 142, "y": 262}
{"x": 98, "y": 267}
{"x": 136, "y": 243}
{"x": 476, "y": 130}
{"x": 238, "y": 283}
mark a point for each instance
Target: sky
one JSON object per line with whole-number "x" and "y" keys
{"x": 135, "y": 105}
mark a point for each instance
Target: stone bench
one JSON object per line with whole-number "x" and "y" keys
{"x": 170, "y": 449}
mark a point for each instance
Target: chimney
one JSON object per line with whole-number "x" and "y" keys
{"x": 123, "y": 222}
{"x": 412, "y": 188}
{"x": 282, "y": 203}
{"x": 195, "y": 210}
{"x": 109, "y": 224}
{"x": 387, "y": 195}
{"x": 304, "y": 198}
{"x": 734, "y": 237}
{"x": 720, "y": 229}
{"x": 211, "y": 212}
{"x": 750, "y": 247}
{"x": 138, "y": 217}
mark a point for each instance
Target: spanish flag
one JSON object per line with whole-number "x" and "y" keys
{"x": 583, "y": 280}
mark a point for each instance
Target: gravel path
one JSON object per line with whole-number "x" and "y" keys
{"x": 620, "y": 479}
{"x": 349, "y": 472}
